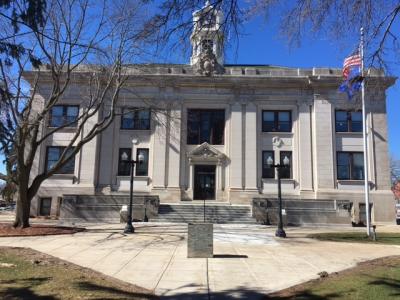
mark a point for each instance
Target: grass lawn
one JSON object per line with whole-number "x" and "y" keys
{"x": 374, "y": 280}
{"x": 27, "y": 274}
{"x": 358, "y": 237}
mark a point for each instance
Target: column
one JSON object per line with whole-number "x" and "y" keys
{"x": 378, "y": 156}
{"x": 323, "y": 144}
{"x": 191, "y": 173}
{"x": 88, "y": 158}
{"x": 219, "y": 181}
{"x": 159, "y": 150}
{"x": 251, "y": 147}
{"x": 174, "y": 146}
{"x": 305, "y": 148}
{"x": 236, "y": 149}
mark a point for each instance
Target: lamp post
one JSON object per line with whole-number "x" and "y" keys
{"x": 124, "y": 157}
{"x": 280, "y": 232}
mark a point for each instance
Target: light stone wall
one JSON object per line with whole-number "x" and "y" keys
{"x": 313, "y": 142}
{"x": 323, "y": 146}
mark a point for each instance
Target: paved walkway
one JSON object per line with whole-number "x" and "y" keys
{"x": 249, "y": 261}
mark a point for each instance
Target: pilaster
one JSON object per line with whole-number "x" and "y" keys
{"x": 379, "y": 161}
{"x": 305, "y": 148}
{"x": 88, "y": 155}
{"x": 251, "y": 147}
{"x": 174, "y": 146}
{"x": 235, "y": 147}
{"x": 160, "y": 150}
{"x": 323, "y": 145}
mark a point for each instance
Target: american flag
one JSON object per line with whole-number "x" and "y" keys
{"x": 350, "y": 62}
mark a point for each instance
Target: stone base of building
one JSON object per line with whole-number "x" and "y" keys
{"x": 107, "y": 207}
{"x": 55, "y": 194}
{"x": 242, "y": 196}
{"x": 382, "y": 204}
{"x": 168, "y": 195}
{"x": 382, "y": 209}
{"x": 302, "y": 211}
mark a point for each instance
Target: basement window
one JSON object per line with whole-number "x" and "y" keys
{"x": 45, "y": 207}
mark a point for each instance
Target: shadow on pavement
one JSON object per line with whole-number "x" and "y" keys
{"x": 229, "y": 256}
{"x": 245, "y": 293}
{"x": 115, "y": 292}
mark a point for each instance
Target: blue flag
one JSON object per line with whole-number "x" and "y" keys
{"x": 352, "y": 84}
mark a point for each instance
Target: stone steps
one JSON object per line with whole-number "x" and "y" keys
{"x": 191, "y": 213}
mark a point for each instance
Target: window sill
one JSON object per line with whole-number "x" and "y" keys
{"x": 271, "y": 184}
{"x": 288, "y": 180}
{"x": 128, "y": 177}
{"x": 349, "y": 132}
{"x": 63, "y": 176}
{"x": 131, "y": 129}
{"x": 68, "y": 128}
{"x": 278, "y": 132}
{"x": 350, "y": 182}
{"x": 196, "y": 145}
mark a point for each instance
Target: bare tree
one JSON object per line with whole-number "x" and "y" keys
{"x": 394, "y": 169}
{"x": 339, "y": 20}
{"x": 78, "y": 40}
{"x": 395, "y": 177}
{"x": 396, "y": 189}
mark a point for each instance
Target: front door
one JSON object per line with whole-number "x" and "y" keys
{"x": 204, "y": 182}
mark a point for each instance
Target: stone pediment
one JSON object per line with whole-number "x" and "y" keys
{"x": 206, "y": 152}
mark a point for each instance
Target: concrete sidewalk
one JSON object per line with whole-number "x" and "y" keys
{"x": 249, "y": 261}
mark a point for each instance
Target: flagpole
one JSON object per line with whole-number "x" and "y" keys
{"x": 365, "y": 135}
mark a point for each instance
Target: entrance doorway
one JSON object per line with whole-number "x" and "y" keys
{"x": 204, "y": 182}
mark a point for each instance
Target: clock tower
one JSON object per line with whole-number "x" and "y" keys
{"x": 207, "y": 38}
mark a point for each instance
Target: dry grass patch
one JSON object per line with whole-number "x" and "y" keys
{"x": 6, "y": 229}
{"x": 28, "y": 274}
{"x": 377, "y": 279}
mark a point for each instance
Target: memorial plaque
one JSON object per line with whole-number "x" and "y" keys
{"x": 200, "y": 240}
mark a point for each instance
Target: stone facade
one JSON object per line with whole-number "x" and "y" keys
{"x": 243, "y": 92}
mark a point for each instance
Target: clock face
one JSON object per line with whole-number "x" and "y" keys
{"x": 207, "y": 45}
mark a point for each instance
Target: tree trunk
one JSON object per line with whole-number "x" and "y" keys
{"x": 23, "y": 208}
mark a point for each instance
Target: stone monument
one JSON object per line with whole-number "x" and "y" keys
{"x": 200, "y": 240}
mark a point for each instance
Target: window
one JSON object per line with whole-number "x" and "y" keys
{"x": 63, "y": 115}
{"x": 208, "y": 20}
{"x": 124, "y": 168}
{"x": 287, "y": 171}
{"x": 276, "y": 121}
{"x": 53, "y": 155}
{"x": 135, "y": 118}
{"x": 205, "y": 126}
{"x": 207, "y": 45}
{"x": 350, "y": 166}
{"x": 142, "y": 169}
{"x": 267, "y": 170}
{"x": 348, "y": 121}
{"x": 45, "y": 207}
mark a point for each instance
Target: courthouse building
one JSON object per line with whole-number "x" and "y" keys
{"x": 206, "y": 130}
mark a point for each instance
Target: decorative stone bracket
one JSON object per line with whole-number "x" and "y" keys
{"x": 208, "y": 64}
